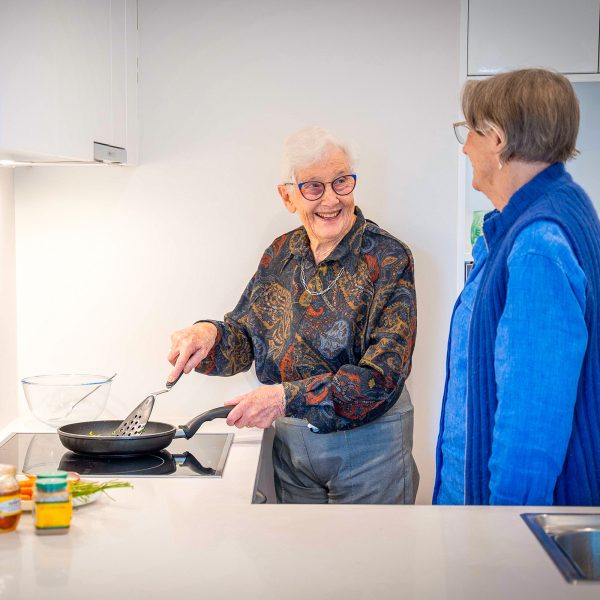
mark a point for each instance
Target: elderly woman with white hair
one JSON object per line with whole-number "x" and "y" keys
{"x": 329, "y": 318}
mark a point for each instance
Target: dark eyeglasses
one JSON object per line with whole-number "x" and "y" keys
{"x": 313, "y": 190}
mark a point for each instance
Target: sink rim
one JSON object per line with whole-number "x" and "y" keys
{"x": 545, "y": 534}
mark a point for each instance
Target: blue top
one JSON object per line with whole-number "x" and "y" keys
{"x": 532, "y": 423}
{"x": 501, "y": 435}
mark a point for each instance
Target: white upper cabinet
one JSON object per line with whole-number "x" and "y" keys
{"x": 68, "y": 78}
{"x": 557, "y": 34}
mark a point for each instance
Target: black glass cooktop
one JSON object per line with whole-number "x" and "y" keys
{"x": 204, "y": 455}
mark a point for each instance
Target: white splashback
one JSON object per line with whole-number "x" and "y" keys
{"x": 112, "y": 260}
{"x": 8, "y": 309}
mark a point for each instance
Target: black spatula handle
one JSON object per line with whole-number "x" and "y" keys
{"x": 170, "y": 384}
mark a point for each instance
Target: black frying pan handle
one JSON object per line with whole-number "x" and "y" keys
{"x": 189, "y": 429}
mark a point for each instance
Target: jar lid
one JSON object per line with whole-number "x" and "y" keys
{"x": 52, "y": 475}
{"x": 8, "y": 483}
{"x": 51, "y": 485}
{"x": 8, "y": 470}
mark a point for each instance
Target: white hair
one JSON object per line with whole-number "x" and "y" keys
{"x": 307, "y": 146}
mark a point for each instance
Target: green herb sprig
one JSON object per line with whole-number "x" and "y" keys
{"x": 84, "y": 488}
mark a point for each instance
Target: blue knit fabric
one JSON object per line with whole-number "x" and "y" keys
{"x": 540, "y": 345}
{"x": 553, "y": 196}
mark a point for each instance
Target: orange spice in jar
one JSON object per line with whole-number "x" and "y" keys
{"x": 10, "y": 499}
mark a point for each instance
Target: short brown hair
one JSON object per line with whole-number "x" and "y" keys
{"x": 536, "y": 109}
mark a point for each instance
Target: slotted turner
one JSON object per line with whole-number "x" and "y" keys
{"x": 135, "y": 423}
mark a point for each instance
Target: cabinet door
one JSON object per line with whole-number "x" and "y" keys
{"x": 64, "y": 73}
{"x": 557, "y": 34}
{"x": 28, "y": 104}
{"x": 82, "y": 66}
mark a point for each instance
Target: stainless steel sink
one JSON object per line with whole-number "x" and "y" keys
{"x": 571, "y": 540}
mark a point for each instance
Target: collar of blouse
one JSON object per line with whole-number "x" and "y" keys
{"x": 346, "y": 252}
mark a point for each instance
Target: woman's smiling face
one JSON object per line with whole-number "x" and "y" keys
{"x": 328, "y": 219}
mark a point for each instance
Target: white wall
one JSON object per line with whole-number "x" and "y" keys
{"x": 8, "y": 308}
{"x": 111, "y": 260}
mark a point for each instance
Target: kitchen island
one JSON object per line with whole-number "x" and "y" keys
{"x": 204, "y": 538}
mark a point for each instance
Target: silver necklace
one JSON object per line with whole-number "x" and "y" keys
{"x": 303, "y": 279}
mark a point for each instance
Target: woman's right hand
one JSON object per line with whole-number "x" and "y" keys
{"x": 189, "y": 346}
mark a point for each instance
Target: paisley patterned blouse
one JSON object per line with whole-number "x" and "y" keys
{"x": 342, "y": 355}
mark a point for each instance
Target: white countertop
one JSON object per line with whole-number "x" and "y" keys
{"x": 204, "y": 537}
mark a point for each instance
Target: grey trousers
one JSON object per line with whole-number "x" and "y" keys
{"x": 372, "y": 464}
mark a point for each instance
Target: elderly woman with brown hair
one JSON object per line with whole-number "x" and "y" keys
{"x": 329, "y": 319}
{"x": 520, "y": 419}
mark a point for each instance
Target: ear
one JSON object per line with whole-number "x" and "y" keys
{"x": 499, "y": 139}
{"x": 284, "y": 192}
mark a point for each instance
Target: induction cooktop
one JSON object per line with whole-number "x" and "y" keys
{"x": 204, "y": 455}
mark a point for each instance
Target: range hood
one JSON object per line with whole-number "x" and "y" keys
{"x": 103, "y": 154}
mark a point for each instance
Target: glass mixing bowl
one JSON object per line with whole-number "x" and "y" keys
{"x": 61, "y": 399}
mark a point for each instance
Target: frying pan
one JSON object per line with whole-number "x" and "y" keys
{"x": 156, "y": 436}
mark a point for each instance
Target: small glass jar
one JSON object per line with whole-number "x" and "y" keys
{"x": 52, "y": 506}
{"x": 10, "y": 499}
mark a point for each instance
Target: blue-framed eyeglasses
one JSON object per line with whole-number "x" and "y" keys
{"x": 313, "y": 190}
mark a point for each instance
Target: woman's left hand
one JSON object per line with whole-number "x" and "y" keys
{"x": 258, "y": 408}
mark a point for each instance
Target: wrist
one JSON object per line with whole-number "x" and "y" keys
{"x": 207, "y": 331}
{"x": 213, "y": 332}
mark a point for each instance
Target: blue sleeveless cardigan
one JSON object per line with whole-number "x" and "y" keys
{"x": 551, "y": 195}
